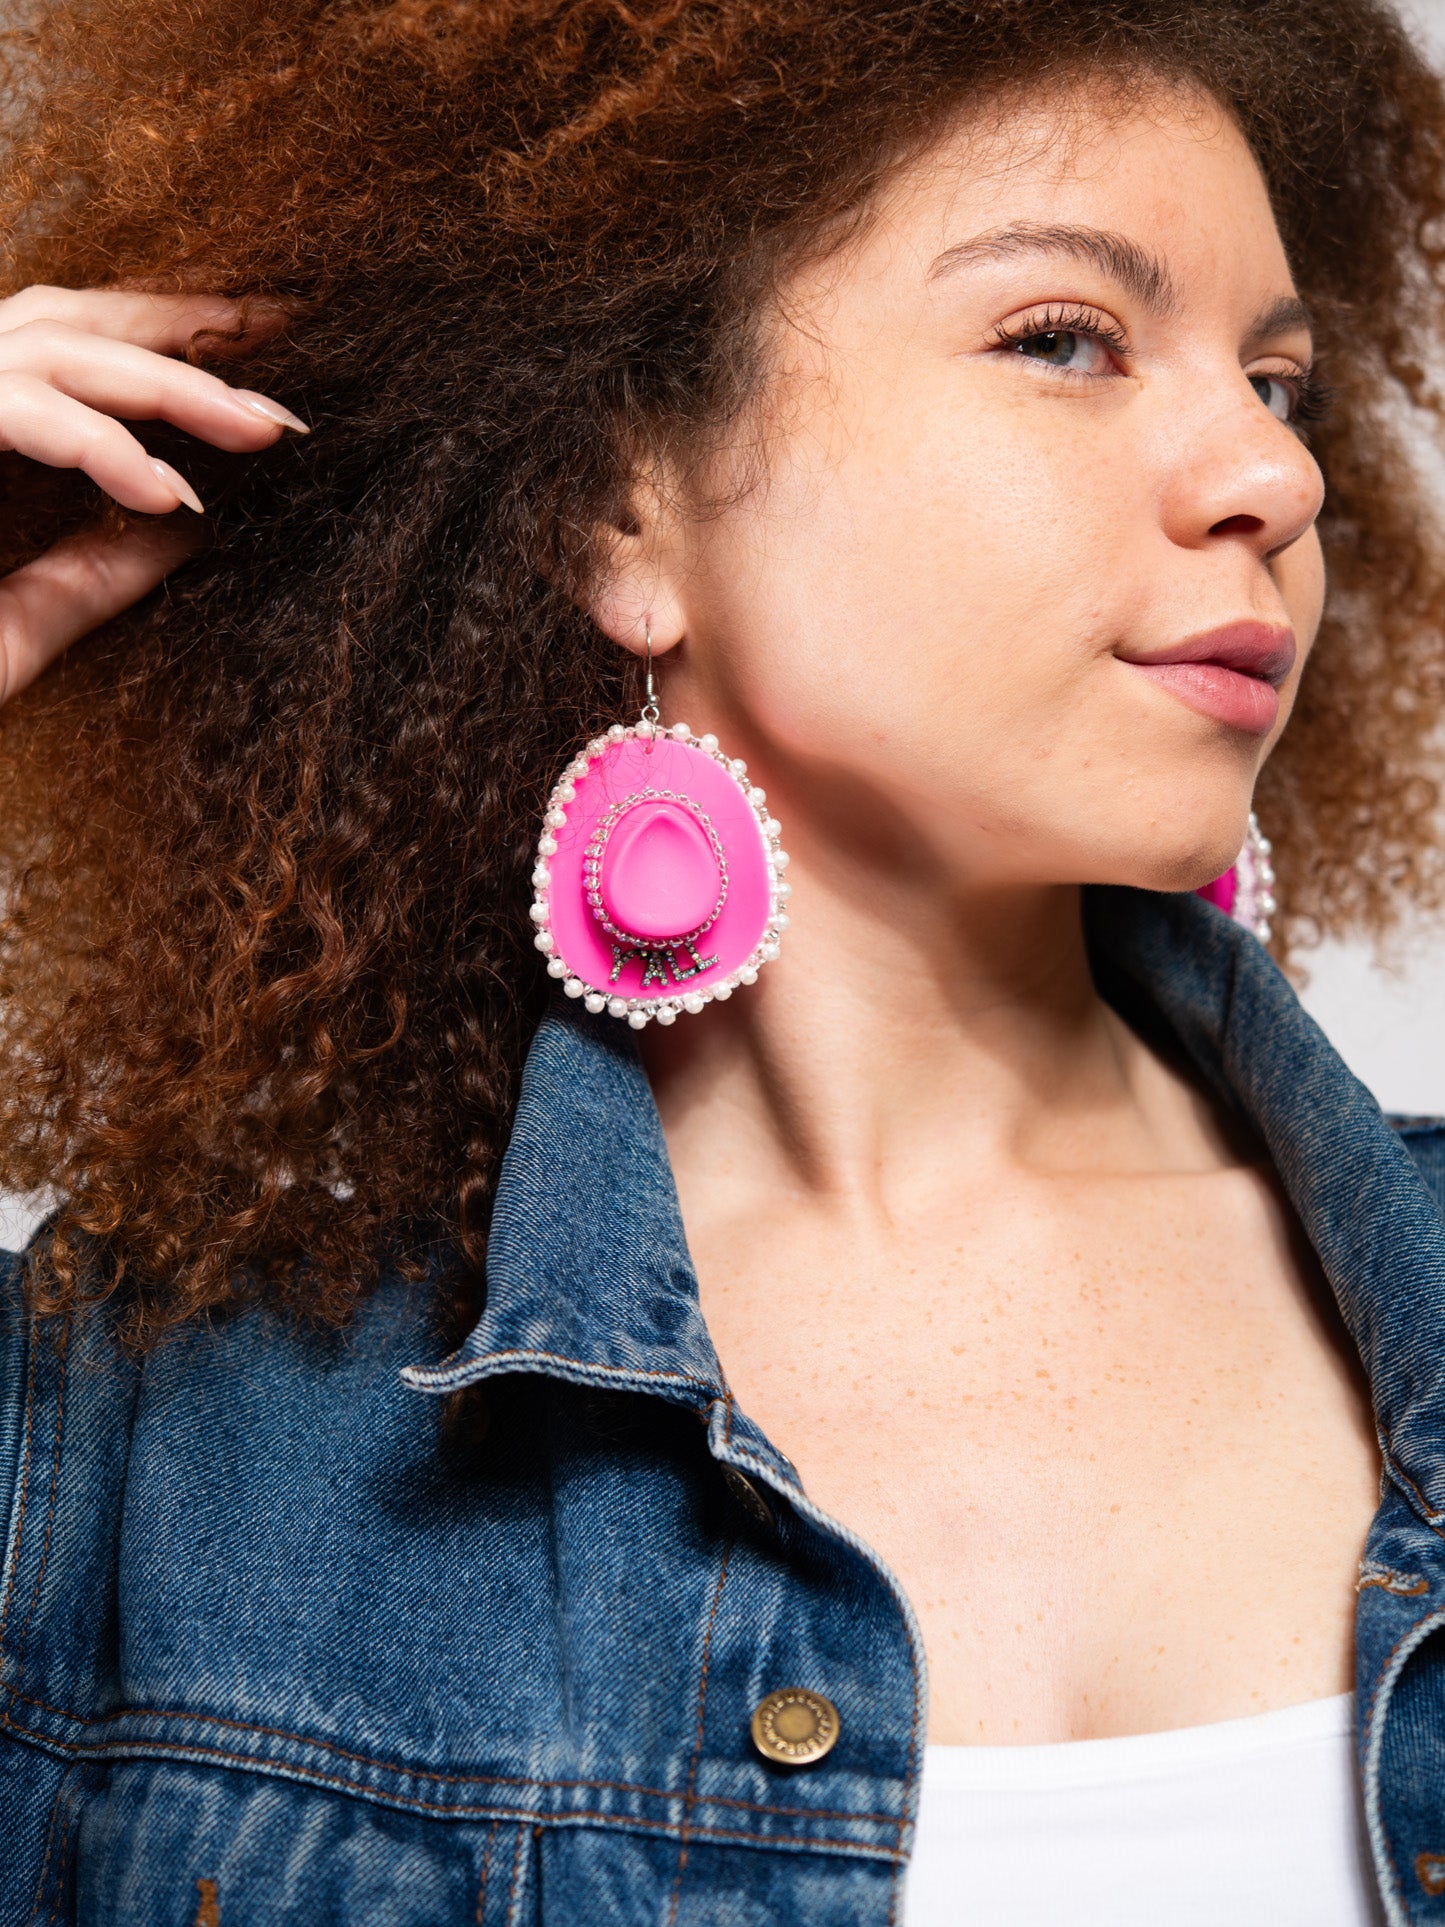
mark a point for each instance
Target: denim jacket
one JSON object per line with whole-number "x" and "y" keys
{"x": 280, "y": 1642}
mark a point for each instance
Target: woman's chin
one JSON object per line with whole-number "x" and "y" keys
{"x": 1193, "y": 871}
{"x": 1187, "y": 860}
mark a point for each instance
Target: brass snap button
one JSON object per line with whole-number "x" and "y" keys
{"x": 794, "y": 1727}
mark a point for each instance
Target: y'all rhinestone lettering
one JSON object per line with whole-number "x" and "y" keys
{"x": 699, "y": 964}
{"x": 656, "y": 963}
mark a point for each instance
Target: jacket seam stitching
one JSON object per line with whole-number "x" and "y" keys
{"x": 690, "y": 1797}
{"x": 57, "y": 1912}
{"x": 516, "y": 1877}
{"x": 49, "y": 1849}
{"x": 54, "y": 1492}
{"x": 435, "y": 1372}
{"x": 1420, "y": 1503}
{"x": 522, "y": 1815}
{"x": 427, "y": 1773}
{"x": 26, "y": 1453}
{"x": 486, "y": 1869}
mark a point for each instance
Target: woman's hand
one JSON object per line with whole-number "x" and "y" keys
{"x": 70, "y": 362}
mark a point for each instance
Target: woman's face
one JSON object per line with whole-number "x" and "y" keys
{"x": 1026, "y": 435}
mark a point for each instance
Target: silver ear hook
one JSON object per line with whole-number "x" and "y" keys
{"x": 651, "y": 714}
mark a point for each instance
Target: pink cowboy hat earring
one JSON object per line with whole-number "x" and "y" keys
{"x": 1246, "y": 890}
{"x": 659, "y": 882}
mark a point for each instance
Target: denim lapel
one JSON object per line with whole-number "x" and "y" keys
{"x": 589, "y": 1276}
{"x": 588, "y": 1272}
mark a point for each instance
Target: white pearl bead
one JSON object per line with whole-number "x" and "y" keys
{"x": 596, "y": 747}
{"x": 617, "y": 1006}
{"x": 555, "y": 819}
{"x": 565, "y": 793}
{"x": 596, "y": 1003}
{"x": 738, "y": 766}
{"x": 748, "y": 974}
{"x": 574, "y": 986}
{"x": 666, "y": 1015}
{"x": 722, "y": 992}
{"x": 541, "y": 877}
{"x": 616, "y": 733}
{"x": 577, "y": 767}
{"x": 543, "y": 940}
{"x": 708, "y": 742}
{"x": 539, "y": 913}
{"x": 781, "y": 920}
{"x": 637, "y": 1019}
{"x": 681, "y": 732}
{"x": 757, "y": 797}
{"x": 785, "y": 890}
{"x": 556, "y": 967}
{"x": 781, "y": 859}
{"x": 772, "y": 827}
{"x": 693, "y": 1002}
{"x": 547, "y": 846}
{"x": 647, "y": 731}
{"x": 770, "y": 950}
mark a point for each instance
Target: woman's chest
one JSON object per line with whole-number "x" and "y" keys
{"x": 1118, "y": 1457}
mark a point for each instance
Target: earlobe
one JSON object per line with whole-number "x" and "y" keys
{"x": 629, "y": 600}
{"x": 635, "y": 582}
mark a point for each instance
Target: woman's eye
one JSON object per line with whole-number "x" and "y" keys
{"x": 1276, "y": 393}
{"x": 1067, "y": 348}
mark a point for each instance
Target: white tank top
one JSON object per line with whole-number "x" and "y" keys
{"x": 1253, "y": 1822}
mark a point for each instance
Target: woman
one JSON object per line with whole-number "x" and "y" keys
{"x": 980, "y": 1337}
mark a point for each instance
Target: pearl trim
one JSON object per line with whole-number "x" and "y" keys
{"x": 1254, "y": 899}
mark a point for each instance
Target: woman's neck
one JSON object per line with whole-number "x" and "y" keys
{"x": 902, "y": 1029}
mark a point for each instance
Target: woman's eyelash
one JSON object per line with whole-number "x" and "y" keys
{"x": 1060, "y": 319}
{"x": 1313, "y": 397}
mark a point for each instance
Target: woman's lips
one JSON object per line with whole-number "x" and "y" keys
{"x": 1232, "y": 674}
{"x": 1244, "y": 702}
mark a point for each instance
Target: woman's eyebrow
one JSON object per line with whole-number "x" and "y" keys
{"x": 1281, "y": 317}
{"x": 1137, "y": 271}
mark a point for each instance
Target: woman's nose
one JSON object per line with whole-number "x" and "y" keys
{"x": 1241, "y": 474}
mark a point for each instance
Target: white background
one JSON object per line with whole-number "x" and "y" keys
{"x": 1390, "y": 1024}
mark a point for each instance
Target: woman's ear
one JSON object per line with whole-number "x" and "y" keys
{"x": 637, "y": 582}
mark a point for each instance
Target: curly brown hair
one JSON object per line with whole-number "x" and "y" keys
{"x": 266, "y": 977}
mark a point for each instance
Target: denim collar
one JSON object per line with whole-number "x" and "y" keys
{"x": 589, "y": 1277}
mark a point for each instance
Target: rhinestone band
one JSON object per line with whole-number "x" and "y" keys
{"x": 592, "y": 868}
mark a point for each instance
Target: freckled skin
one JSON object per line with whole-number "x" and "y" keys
{"x": 1025, "y": 1310}
{"x": 1127, "y": 1496}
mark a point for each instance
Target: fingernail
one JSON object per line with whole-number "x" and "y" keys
{"x": 272, "y": 410}
{"x": 184, "y": 492}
